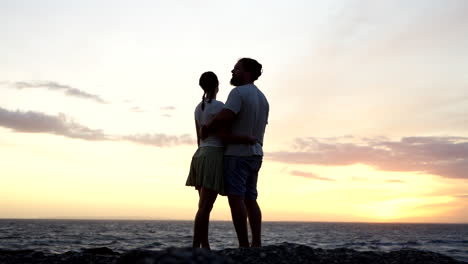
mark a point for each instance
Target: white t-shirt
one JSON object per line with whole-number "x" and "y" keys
{"x": 251, "y": 108}
{"x": 204, "y": 117}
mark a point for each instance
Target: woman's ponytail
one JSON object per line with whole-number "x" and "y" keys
{"x": 203, "y": 102}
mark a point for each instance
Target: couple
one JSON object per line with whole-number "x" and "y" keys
{"x": 229, "y": 154}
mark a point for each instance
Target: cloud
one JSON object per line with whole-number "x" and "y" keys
{"x": 395, "y": 181}
{"x": 309, "y": 175}
{"x": 137, "y": 109}
{"x": 161, "y": 140}
{"x": 68, "y": 90}
{"x": 443, "y": 156}
{"x": 37, "y": 122}
{"x": 168, "y": 108}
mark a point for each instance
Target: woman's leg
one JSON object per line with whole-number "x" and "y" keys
{"x": 196, "y": 239}
{"x": 200, "y": 233}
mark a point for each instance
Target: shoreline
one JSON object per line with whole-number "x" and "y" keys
{"x": 279, "y": 253}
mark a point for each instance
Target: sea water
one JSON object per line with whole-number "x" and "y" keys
{"x": 58, "y": 236}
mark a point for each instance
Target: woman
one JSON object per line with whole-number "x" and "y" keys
{"x": 206, "y": 168}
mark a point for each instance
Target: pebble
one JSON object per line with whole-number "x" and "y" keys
{"x": 275, "y": 254}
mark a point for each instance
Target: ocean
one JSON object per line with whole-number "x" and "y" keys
{"x": 59, "y": 236}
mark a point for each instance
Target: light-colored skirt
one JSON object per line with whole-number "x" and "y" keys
{"x": 206, "y": 169}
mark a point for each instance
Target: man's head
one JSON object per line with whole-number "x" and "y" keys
{"x": 245, "y": 71}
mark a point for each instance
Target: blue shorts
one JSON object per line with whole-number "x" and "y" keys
{"x": 241, "y": 174}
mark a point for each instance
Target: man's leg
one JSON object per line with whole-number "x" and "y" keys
{"x": 255, "y": 220}
{"x": 239, "y": 219}
{"x": 235, "y": 176}
{"x": 253, "y": 210}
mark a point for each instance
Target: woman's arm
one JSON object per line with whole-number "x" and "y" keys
{"x": 197, "y": 127}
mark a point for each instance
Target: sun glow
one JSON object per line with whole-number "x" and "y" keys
{"x": 395, "y": 209}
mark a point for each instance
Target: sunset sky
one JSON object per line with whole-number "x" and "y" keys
{"x": 368, "y": 106}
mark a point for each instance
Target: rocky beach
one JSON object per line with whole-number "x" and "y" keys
{"x": 273, "y": 254}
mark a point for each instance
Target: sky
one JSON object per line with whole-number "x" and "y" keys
{"x": 368, "y": 106}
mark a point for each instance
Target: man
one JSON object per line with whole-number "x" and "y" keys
{"x": 246, "y": 113}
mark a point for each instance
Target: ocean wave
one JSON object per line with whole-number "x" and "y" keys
{"x": 438, "y": 241}
{"x": 411, "y": 243}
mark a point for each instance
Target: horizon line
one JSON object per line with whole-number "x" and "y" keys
{"x": 189, "y": 220}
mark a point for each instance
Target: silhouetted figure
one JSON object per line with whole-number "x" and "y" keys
{"x": 206, "y": 168}
{"x": 246, "y": 113}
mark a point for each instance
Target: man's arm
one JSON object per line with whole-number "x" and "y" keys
{"x": 235, "y": 139}
{"x": 226, "y": 115}
{"x": 223, "y": 118}
{"x": 225, "y": 135}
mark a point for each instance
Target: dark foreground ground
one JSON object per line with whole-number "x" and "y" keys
{"x": 282, "y": 253}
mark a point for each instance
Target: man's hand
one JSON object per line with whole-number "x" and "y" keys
{"x": 204, "y": 132}
{"x": 251, "y": 140}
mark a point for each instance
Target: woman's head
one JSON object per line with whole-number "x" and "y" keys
{"x": 209, "y": 83}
